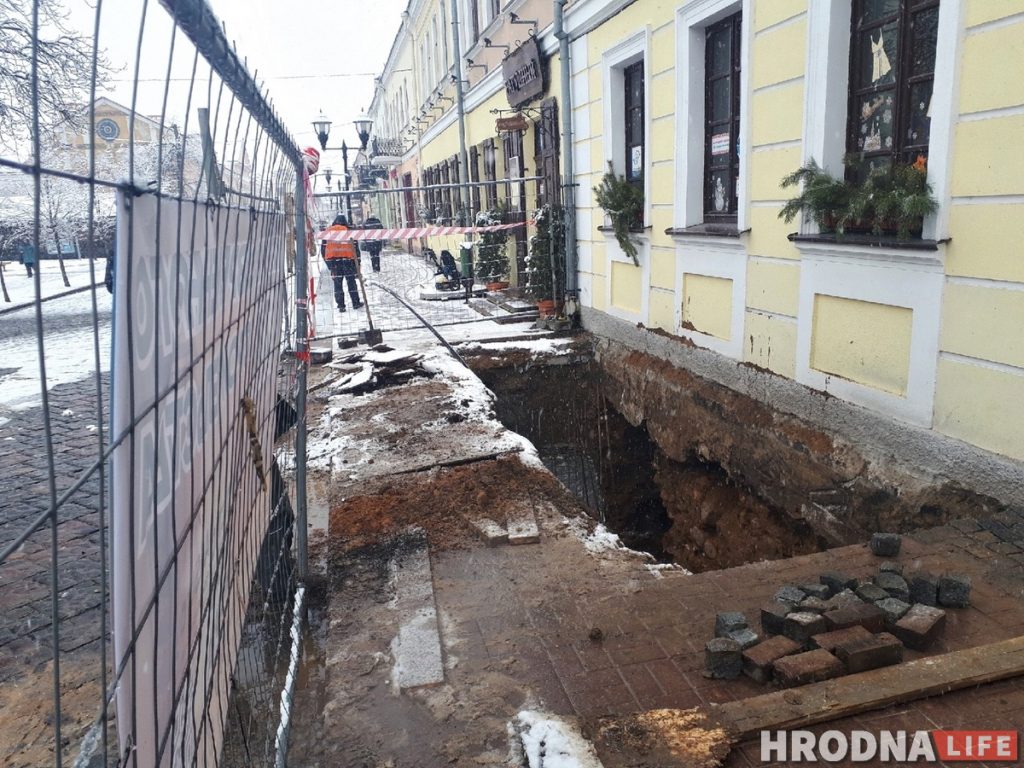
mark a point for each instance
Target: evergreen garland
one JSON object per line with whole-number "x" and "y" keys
{"x": 545, "y": 262}
{"x": 492, "y": 255}
{"x": 623, "y": 202}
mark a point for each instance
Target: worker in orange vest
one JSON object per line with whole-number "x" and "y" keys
{"x": 341, "y": 261}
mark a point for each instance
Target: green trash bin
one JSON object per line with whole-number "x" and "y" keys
{"x": 466, "y": 260}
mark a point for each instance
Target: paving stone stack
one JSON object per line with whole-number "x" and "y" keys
{"x": 840, "y": 625}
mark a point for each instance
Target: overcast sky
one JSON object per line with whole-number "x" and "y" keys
{"x": 312, "y": 54}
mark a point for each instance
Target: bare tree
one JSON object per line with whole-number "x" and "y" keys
{"x": 65, "y": 64}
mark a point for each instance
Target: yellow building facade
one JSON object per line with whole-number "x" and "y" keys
{"x": 922, "y": 332}
{"x": 415, "y": 102}
{"x": 926, "y": 331}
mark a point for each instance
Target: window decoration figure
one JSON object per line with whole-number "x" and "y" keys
{"x": 880, "y": 66}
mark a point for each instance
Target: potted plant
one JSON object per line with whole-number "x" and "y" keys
{"x": 623, "y": 203}
{"x": 895, "y": 200}
{"x": 891, "y": 200}
{"x": 824, "y": 198}
{"x": 545, "y": 261}
{"x": 492, "y": 255}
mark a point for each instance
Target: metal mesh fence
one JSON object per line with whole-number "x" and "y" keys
{"x": 150, "y": 379}
{"x": 444, "y": 278}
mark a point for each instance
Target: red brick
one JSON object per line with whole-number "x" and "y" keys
{"x": 759, "y": 659}
{"x": 870, "y": 617}
{"x": 920, "y": 627}
{"x": 872, "y": 652}
{"x": 809, "y": 667}
{"x": 832, "y": 640}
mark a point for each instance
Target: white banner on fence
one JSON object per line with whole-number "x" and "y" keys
{"x": 198, "y": 309}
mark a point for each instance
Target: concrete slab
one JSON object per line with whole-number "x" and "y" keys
{"x": 490, "y": 532}
{"x": 522, "y": 525}
{"x": 417, "y": 648}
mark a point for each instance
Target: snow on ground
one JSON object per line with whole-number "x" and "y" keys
{"x": 658, "y": 570}
{"x": 551, "y": 742}
{"x": 600, "y": 541}
{"x": 537, "y": 346}
{"x": 69, "y": 337}
{"x": 332, "y": 447}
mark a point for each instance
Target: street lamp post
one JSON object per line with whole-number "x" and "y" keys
{"x": 322, "y": 127}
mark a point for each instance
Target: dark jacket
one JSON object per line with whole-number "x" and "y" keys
{"x": 373, "y": 247}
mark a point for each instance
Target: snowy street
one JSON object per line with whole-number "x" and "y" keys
{"x": 68, "y": 328}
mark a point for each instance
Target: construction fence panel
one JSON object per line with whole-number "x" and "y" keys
{"x": 152, "y": 383}
{"x": 446, "y": 263}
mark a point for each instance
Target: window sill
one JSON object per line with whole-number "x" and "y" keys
{"x": 869, "y": 241}
{"x": 633, "y": 230}
{"x": 870, "y": 248}
{"x": 705, "y": 230}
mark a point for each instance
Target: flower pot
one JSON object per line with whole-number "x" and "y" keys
{"x": 497, "y": 285}
{"x": 546, "y": 307}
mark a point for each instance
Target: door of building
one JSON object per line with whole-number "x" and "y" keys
{"x": 549, "y": 187}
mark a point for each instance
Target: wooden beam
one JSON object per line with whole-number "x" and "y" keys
{"x": 849, "y": 695}
{"x": 702, "y": 737}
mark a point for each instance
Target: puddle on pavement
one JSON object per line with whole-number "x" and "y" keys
{"x": 690, "y": 513}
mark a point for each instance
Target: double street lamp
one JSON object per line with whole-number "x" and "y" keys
{"x": 322, "y": 127}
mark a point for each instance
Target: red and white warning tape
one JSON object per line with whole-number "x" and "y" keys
{"x": 409, "y": 232}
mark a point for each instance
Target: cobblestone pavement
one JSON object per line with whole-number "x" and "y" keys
{"x": 406, "y": 274}
{"x": 26, "y": 639}
{"x": 520, "y": 626}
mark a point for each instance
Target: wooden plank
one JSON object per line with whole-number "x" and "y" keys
{"x": 688, "y": 738}
{"x": 849, "y": 695}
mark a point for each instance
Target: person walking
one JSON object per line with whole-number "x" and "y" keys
{"x": 28, "y": 258}
{"x": 374, "y": 247}
{"x": 341, "y": 261}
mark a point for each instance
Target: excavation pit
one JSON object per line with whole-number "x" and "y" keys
{"x": 690, "y": 512}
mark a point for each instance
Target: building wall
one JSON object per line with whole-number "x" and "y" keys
{"x": 931, "y": 338}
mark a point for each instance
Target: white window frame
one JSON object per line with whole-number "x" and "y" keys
{"x": 827, "y": 94}
{"x": 613, "y": 61}
{"x": 896, "y": 276}
{"x": 692, "y": 21}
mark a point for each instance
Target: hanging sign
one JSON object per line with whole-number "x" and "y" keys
{"x": 521, "y": 70}
{"x": 720, "y": 144}
{"x": 516, "y": 122}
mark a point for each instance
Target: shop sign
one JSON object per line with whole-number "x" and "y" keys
{"x": 521, "y": 69}
{"x": 516, "y": 122}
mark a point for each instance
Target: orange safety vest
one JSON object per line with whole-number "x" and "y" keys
{"x": 343, "y": 250}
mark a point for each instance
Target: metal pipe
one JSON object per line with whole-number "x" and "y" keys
{"x": 302, "y": 361}
{"x": 568, "y": 185}
{"x": 288, "y": 692}
{"x": 426, "y": 323}
{"x": 460, "y": 106}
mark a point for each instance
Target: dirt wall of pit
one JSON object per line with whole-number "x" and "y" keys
{"x": 844, "y": 470}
